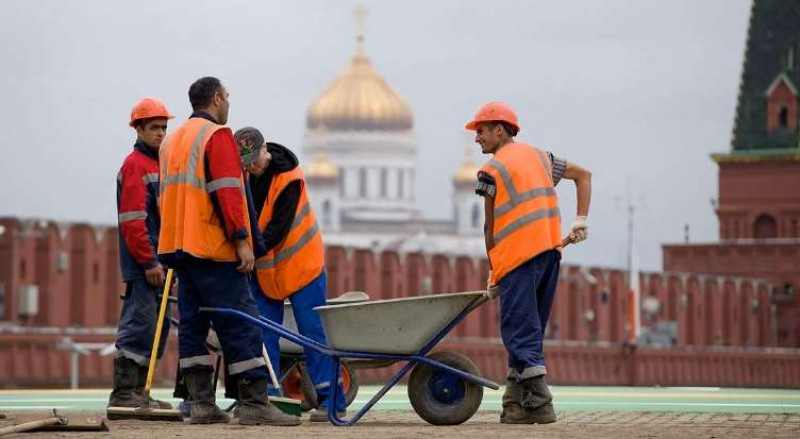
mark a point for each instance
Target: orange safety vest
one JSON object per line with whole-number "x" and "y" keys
{"x": 300, "y": 258}
{"x": 188, "y": 221}
{"x": 527, "y": 221}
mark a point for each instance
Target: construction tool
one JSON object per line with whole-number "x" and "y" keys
{"x": 55, "y": 422}
{"x": 287, "y": 405}
{"x": 147, "y": 413}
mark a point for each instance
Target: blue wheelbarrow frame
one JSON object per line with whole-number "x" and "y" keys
{"x": 411, "y": 360}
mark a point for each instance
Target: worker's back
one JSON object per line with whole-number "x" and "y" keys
{"x": 188, "y": 221}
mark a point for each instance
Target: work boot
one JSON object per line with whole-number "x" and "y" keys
{"x": 124, "y": 394}
{"x": 202, "y": 401}
{"x": 537, "y": 403}
{"x": 254, "y": 407}
{"x": 320, "y": 414}
{"x": 545, "y": 413}
{"x": 147, "y": 401}
{"x": 512, "y": 401}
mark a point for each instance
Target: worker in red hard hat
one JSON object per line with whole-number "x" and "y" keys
{"x": 138, "y": 217}
{"x": 524, "y": 243}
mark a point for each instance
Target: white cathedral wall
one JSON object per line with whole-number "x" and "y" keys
{"x": 396, "y": 152}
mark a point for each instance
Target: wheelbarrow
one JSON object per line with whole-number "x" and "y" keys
{"x": 444, "y": 387}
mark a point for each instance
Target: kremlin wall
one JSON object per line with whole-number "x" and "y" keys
{"x": 61, "y": 281}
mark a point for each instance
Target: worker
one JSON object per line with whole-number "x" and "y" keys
{"x": 293, "y": 266}
{"x": 523, "y": 242}
{"x": 204, "y": 236}
{"x": 137, "y": 209}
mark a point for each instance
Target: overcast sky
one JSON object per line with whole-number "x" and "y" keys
{"x": 632, "y": 89}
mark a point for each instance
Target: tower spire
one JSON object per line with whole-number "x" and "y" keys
{"x": 361, "y": 16}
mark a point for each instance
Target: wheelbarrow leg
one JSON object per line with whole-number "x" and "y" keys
{"x": 334, "y": 418}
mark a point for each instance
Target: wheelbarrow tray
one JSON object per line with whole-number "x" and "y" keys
{"x": 401, "y": 326}
{"x": 289, "y": 322}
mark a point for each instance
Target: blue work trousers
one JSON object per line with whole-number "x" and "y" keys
{"x": 217, "y": 284}
{"x": 137, "y": 322}
{"x": 320, "y": 367}
{"x": 526, "y": 296}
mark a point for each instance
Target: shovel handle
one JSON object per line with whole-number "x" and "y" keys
{"x": 28, "y": 426}
{"x": 157, "y": 338}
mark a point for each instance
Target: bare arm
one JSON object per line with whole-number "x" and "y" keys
{"x": 488, "y": 226}
{"x": 583, "y": 185}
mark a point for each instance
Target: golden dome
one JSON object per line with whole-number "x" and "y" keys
{"x": 321, "y": 167}
{"x": 467, "y": 173}
{"x": 360, "y": 99}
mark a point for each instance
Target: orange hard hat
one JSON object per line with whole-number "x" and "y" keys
{"x": 147, "y": 108}
{"x": 494, "y": 112}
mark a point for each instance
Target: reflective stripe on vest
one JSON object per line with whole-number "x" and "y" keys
{"x": 526, "y": 207}
{"x": 299, "y": 259}
{"x": 188, "y": 220}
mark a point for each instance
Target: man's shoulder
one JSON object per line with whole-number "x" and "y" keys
{"x": 138, "y": 163}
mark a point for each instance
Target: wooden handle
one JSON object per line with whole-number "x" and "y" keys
{"x": 28, "y": 426}
{"x": 159, "y": 326}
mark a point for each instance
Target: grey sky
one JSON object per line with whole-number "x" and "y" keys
{"x": 637, "y": 88}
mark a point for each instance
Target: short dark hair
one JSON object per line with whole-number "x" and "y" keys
{"x": 144, "y": 122}
{"x": 202, "y": 92}
{"x": 511, "y": 130}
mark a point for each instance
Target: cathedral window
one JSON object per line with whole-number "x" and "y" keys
{"x": 384, "y": 182}
{"x": 401, "y": 184}
{"x": 476, "y": 216}
{"x": 326, "y": 213}
{"x": 362, "y": 182}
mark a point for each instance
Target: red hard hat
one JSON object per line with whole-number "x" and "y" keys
{"x": 494, "y": 112}
{"x": 147, "y": 108}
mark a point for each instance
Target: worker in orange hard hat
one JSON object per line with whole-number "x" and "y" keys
{"x": 137, "y": 208}
{"x": 524, "y": 243}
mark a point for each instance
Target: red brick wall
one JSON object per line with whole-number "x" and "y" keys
{"x": 591, "y": 304}
{"x": 750, "y": 189}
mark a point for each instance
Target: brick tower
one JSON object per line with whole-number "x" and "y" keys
{"x": 759, "y": 178}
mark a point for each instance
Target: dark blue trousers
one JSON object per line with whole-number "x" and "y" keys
{"x": 217, "y": 284}
{"x": 526, "y": 296}
{"x": 137, "y": 322}
{"x": 320, "y": 367}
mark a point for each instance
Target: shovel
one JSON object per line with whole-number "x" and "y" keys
{"x": 55, "y": 422}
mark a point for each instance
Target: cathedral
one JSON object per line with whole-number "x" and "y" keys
{"x": 361, "y": 171}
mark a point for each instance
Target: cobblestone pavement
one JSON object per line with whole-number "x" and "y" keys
{"x": 405, "y": 424}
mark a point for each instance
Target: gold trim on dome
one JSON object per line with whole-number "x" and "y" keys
{"x": 468, "y": 172}
{"x": 321, "y": 167}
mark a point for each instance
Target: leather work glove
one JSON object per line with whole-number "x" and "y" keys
{"x": 579, "y": 230}
{"x": 492, "y": 291}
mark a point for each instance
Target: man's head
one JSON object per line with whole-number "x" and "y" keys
{"x": 253, "y": 150}
{"x": 151, "y": 131}
{"x": 149, "y": 118}
{"x": 495, "y": 124}
{"x": 494, "y": 134}
{"x": 208, "y": 94}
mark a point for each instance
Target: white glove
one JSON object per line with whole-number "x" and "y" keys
{"x": 492, "y": 291}
{"x": 579, "y": 230}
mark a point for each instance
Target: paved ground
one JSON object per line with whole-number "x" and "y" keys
{"x": 595, "y": 412}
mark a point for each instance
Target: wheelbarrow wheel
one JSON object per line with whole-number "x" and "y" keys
{"x": 440, "y": 397}
{"x": 349, "y": 385}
